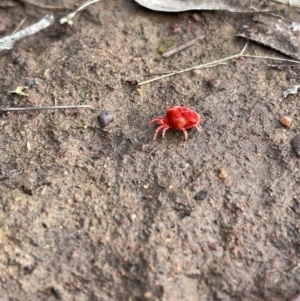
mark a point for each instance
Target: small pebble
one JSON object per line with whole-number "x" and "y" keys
{"x": 32, "y": 83}
{"x": 105, "y": 118}
{"x": 132, "y": 217}
{"x": 175, "y": 28}
{"x": 204, "y": 249}
{"x": 196, "y": 72}
{"x": 195, "y": 17}
{"x": 286, "y": 121}
{"x": 17, "y": 60}
{"x": 222, "y": 174}
{"x": 211, "y": 82}
{"x": 213, "y": 246}
{"x": 201, "y": 195}
{"x": 178, "y": 266}
{"x": 181, "y": 165}
{"x": 147, "y": 295}
{"x": 296, "y": 145}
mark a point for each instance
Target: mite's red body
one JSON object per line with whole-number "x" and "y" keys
{"x": 177, "y": 118}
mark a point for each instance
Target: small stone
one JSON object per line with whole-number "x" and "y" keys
{"x": 201, "y": 195}
{"x": 178, "y": 266}
{"x": 286, "y": 121}
{"x": 17, "y": 60}
{"x": 213, "y": 246}
{"x": 211, "y": 82}
{"x": 222, "y": 174}
{"x": 34, "y": 241}
{"x": 296, "y": 145}
{"x": 132, "y": 217}
{"x": 56, "y": 292}
{"x": 175, "y": 28}
{"x": 181, "y": 165}
{"x": 204, "y": 249}
{"x": 105, "y": 118}
{"x": 197, "y": 72}
{"x": 147, "y": 295}
{"x": 195, "y": 17}
{"x": 32, "y": 83}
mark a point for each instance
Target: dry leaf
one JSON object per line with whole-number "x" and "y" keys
{"x": 184, "y": 5}
{"x": 20, "y": 91}
{"x": 274, "y": 32}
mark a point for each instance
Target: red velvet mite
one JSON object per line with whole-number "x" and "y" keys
{"x": 177, "y": 118}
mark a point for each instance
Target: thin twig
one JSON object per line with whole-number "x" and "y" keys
{"x": 160, "y": 73}
{"x": 176, "y": 71}
{"x": 195, "y": 67}
{"x": 45, "y": 108}
{"x": 182, "y": 47}
{"x": 218, "y": 62}
{"x": 20, "y": 25}
{"x": 277, "y": 66}
{"x": 68, "y": 18}
{"x": 208, "y": 65}
{"x": 53, "y": 8}
{"x": 271, "y": 58}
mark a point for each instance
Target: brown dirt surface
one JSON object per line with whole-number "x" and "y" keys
{"x": 92, "y": 213}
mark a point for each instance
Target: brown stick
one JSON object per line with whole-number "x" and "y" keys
{"x": 182, "y": 47}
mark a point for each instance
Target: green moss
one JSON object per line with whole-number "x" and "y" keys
{"x": 269, "y": 76}
{"x": 78, "y": 52}
{"x": 165, "y": 44}
{"x": 171, "y": 42}
{"x": 232, "y": 32}
{"x": 82, "y": 94}
{"x": 160, "y": 50}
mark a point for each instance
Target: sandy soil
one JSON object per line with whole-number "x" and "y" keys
{"x": 92, "y": 213}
